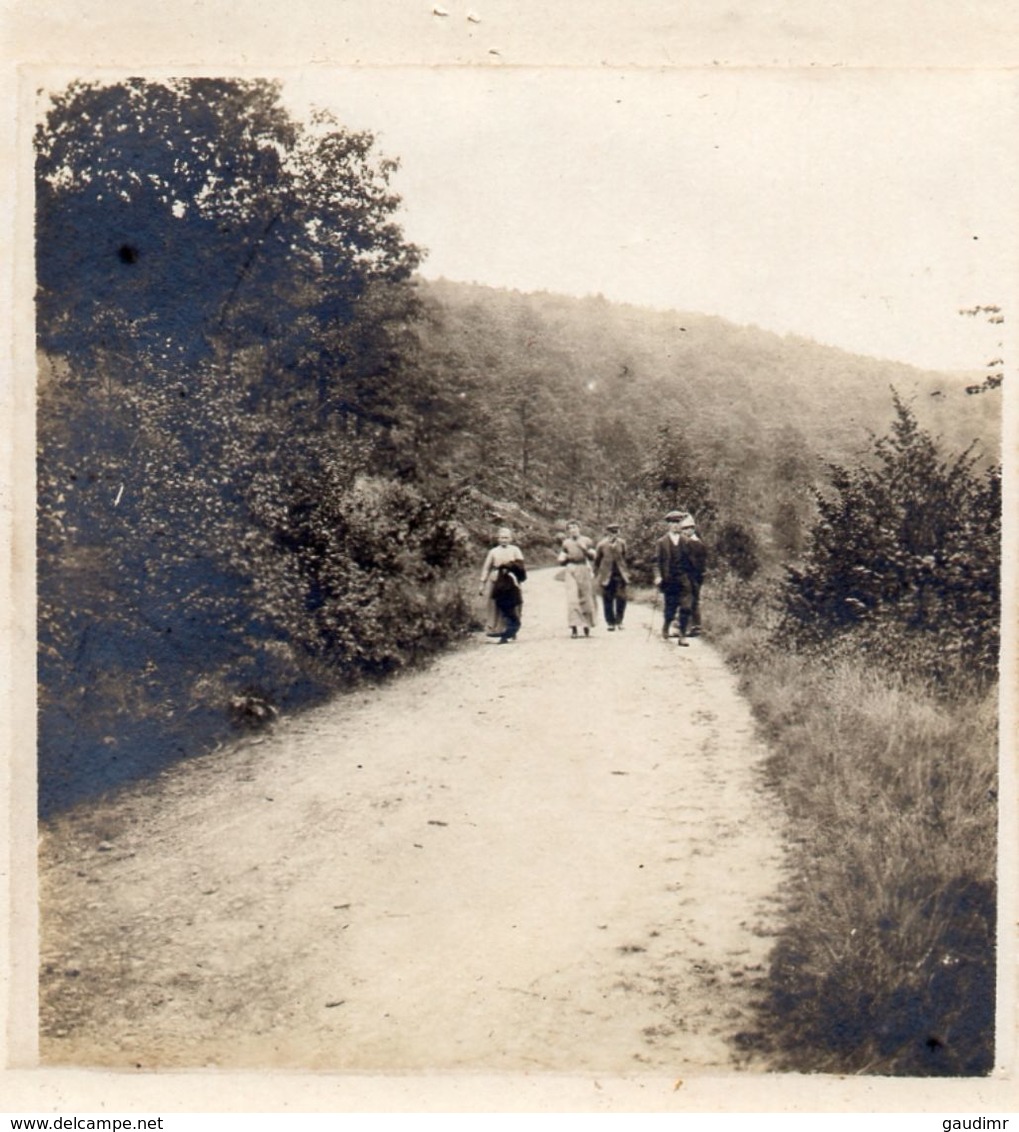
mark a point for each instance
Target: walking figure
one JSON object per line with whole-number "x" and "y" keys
{"x": 575, "y": 556}
{"x": 612, "y": 575}
{"x": 501, "y": 576}
{"x": 672, "y": 576}
{"x": 695, "y": 557}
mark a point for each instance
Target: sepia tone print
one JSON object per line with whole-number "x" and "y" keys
{"x": 686, "y": 389}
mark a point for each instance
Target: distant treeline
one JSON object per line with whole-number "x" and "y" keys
{"x": 563, "y": 399}
{"x": 267, "y": 448}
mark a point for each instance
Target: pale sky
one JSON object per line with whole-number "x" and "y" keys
{"x": 859, "y": 208}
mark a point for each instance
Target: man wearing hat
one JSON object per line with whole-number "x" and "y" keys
{"x": 695, "y": 558}
{"x": 672, "y": 576}
{"x": 612, "y": 575}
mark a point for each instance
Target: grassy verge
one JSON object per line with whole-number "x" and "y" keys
{"x": 886, "y": 962}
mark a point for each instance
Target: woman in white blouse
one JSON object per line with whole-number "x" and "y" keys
{"x": 501, "y": 577}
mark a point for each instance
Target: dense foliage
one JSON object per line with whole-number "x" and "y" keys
{"x": 905, "y": 556}
{"x": 222, "y": 407}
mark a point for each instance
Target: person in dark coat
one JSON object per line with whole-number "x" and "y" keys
{"x": 612, "y": 575}
{"x": 672, "y": 576}
{"x": 695, "y": 558}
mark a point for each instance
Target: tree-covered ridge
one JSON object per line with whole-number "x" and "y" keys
{"x": 717, "y": 374}
{"x": 578, "y": 405}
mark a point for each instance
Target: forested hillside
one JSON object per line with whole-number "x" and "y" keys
{"x": 580, "y": 405}
{"x": 717, "y": 374}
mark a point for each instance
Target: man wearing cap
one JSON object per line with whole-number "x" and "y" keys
{"x": 611, "y": 575}
{"x": 695, "y": 558}
{"x": 671, "y": 574}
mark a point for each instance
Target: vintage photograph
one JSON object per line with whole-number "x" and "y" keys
{"x": 518, "y": 560}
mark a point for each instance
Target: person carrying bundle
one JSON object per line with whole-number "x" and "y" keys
{"x": 501, "y": 577}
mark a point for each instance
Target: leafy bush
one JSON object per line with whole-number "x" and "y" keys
{"x": 189, "y": 587}
{"x": 906, "y": 548}
{"x": 228, "y": 523}
{"x": 361, "y": 564}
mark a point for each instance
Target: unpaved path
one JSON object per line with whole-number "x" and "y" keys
{"x": 551, "y": 855}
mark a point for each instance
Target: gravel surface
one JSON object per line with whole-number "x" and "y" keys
{"x": 552, "y": 855}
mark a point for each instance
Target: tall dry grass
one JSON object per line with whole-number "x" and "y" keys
{"x": 886, "y": 962}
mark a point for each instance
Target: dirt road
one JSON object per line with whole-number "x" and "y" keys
{"x": 551, "y": 855}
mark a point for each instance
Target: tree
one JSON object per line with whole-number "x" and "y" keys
{"x": 908, "y": 542}
{"x": 151, "y": 199}
{"x": 194, "y": 219}
{"x": 669, "y": 479}
{"x": 617, "y": 454}
{"x": 787, "y": 528}
{"x": 224, "y": 298}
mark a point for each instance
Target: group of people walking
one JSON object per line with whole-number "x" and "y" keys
{"x": 587, "y": 567}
